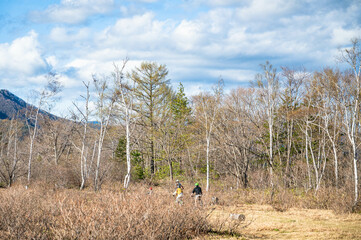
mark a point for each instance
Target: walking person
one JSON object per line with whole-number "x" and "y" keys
{"x": 178, "y": 185}
{"x": 179, "y": 193}
{"x": 197, "y": 191}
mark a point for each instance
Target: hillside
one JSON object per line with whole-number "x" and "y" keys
{"x": 11, "y": 106}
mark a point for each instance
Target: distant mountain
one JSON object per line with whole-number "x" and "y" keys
{"x": 12, "y": 106}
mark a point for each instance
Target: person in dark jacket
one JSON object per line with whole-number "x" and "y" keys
{"x": 197, "y": 191}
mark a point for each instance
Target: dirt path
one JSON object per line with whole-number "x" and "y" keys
{"x": 266, "y": 223}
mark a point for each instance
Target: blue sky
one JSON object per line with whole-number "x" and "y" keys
{"x": 198, "y": 40}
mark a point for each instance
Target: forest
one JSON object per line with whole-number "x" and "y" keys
{"x": 291, "y": 131}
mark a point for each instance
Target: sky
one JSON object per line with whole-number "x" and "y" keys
{"x": 199, "y": 41}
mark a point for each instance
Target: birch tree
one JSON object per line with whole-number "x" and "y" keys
{"x": 104, "y": 106}
{"x": 268, "y": 82}
{"x": 52, "y": 87}
{"x": 84, "y": 166}
{"x": 291, "y": 100}
{"x": 124, "y": 92}
{"x": 351, "y": 91}
{"x": 328, "y": 82}
{"x": 207, "y": 106}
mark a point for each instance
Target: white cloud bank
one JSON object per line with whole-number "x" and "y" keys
{"x": 210, "y": 45}
{"x": 227, "y": 38}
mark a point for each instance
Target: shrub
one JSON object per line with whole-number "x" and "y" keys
{"x": 72, "y": 214}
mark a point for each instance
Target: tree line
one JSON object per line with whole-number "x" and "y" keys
{"x": 290, "y": 128}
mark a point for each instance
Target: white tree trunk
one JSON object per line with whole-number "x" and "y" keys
{"x": 32, "y": 140}
{"x": 207, "y": 158}
{"x": 103, "y": 129}
{"x": 127, "y": 133}
{"x": 356, "y": 178}
{"x": 100, "y": 148}
{"x": 306, "y": 155}
{"x": 270, "y": 120}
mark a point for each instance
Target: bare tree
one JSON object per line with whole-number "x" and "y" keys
{"x": 327, "y": 87}
{"x": 84, "y": 167}
{"x": 105, "y": 106}
{"x": 208, "y": 109}
{"x": 52, "y": 87}
{"x": 9, "y": 150}
{"x": 351, "y": 103}
{"x": 235, "y": 135}
{"x": 291, "y": 100}
{"x": 125, "y": 93}
{"x": 269, "y": 84}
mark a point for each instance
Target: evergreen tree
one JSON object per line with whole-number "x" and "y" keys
{"x": 152, "y": 93}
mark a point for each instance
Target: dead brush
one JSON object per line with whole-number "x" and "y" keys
{"x": 23, "y": 215}
{"x": 129, "y": 216}
{"x": 336, "y": 199}
{"x": 74, "y": 214}
{"x": 281, "y": 199}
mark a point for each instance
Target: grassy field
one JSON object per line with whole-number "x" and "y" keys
{"x": 45, "y": 213}
{"x": 263, "y": 222}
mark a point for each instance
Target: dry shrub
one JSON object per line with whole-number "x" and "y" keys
{"x": 242, "y": 196}
{"x": 127, "y": 216}
{"x": 282, "y": 200}
{"x": 23, "y": 215}
{"x": 72, "y": 214}
{"x": 338, "y": 200}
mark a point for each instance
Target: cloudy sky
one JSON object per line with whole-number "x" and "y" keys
{"x": 198, "y": 40}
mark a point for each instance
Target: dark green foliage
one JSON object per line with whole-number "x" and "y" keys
{"x": 137, "y": 163}
{"x": 180, "y": 106}
{"x": 163, "y": 171}
{"x": 120, "y": 151}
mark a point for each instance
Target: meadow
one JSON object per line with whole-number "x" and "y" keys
{"x": 44, "y": 212}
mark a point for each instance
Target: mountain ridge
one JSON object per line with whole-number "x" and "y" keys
{"x": 11, "y": 106}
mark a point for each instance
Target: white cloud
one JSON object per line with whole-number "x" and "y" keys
{"x": 140, "y": 32}
{"x": 60, "y": 34}
{"x": 52, "y": 61}
{"x": 194, "y": 47}
{"x": 341, "y": 36}
{"x": 72, "y": 11}
{"x": 236, "y": 75}
{"x": 67, "y": 82}
{"x": 226, "y": 41}
{"x": 21, "y": 57}
{"x": 188, "y": 35}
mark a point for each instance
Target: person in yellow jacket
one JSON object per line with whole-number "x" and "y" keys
{"x": 179, "y": 193}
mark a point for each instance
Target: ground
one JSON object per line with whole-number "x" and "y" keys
{"x": 263, "y": 222}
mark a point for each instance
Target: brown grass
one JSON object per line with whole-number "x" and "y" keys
{"x": 264, "y": 222}
{"x": 44, "y": 212}
{"x": 338, "y": 200}
{"x": 72, "y": 214}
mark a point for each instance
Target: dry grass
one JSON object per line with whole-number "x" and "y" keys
{"x": 43, "y": 212}
{"x": 72, "y": 214}
{"x": 264, "y": 222}
{"x": 338, "y": 200}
